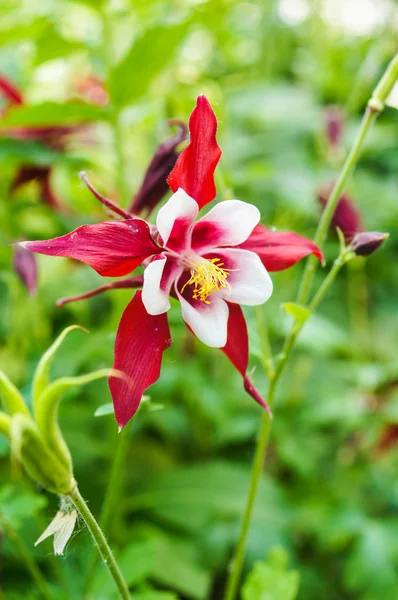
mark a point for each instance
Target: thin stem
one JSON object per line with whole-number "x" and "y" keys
{"x": 257, "y": 469}
{"x": 112, "y": 495}
{"x": 267, "y": 358}
{"x": 320, "y": 235}
{"x": 101, "y": 543}
{"x": 264, "y": 435}
{"x": 29, "y": 561}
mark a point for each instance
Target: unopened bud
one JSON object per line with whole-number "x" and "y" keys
{"x": 154, "y": 185}
{"x": 367, "y": 242}
{"x": 346, "y": 216}
{"x": 334, "y": 125}
{"x": 25, "y": 266}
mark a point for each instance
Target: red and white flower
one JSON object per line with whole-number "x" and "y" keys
{"x": 211, "y": 265}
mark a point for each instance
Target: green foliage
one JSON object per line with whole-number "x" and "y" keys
{"x": 272, "y": 580}
{"x": 329, "y": 492}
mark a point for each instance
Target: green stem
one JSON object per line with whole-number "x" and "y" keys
{"x": 267, "y": 358}
{"x": 263, "y": 438}
{"x": 29, "y": 561}
{"x": 101, "y": 543}
{"x": 324, "y": 223}
{"x": 257, "y": 469}
{"x": 112, "y": 495}
{"x": 374, "y": 107}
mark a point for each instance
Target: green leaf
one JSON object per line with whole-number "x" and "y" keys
{"x": 299, "y": 313}
{"x": 154, "y": 595}
{"x": 272, "y": 580}
{"x": 149, "y": 56}
{"x": 104, "y": 409}
{"x": 107, "y": 409}
{"x": 53, "y": 114}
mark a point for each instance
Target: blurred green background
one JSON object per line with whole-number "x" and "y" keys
{"x": 329, "y": 494}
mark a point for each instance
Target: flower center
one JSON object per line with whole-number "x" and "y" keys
{"x": 207, "y": 277}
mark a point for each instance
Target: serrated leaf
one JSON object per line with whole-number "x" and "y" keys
{"x": 149, "y": 55}
{"x": 299, "y": 313}
{"x": 271, "y": 580}
{"x": 51, "y": 114}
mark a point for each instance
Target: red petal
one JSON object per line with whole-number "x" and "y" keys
{"x": 279, "y": 250}
{"x": 9, "y": 90}
{"x": 237, "y": 350}
{"x": 140, "y": 342}
{"x": 112, "y": 248}
{"x": 194, "y": 169}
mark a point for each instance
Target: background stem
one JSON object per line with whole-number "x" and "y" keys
{"x": 29, "y": 561}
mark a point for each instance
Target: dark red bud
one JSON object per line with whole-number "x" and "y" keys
{"x": 42, "y": 175}
{"x": 346, "y": 215}
{"x": 334, "y": 125}
{"x": 25, "y": 265}
{"x": 367, "y": 242}
{"x": 154, "y": 185}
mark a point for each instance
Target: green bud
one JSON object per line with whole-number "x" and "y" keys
{"x": 12, "y": 398}
{"x": 41, "y": 376}
{"x": 29, "y": 448}
{"x": 46, "y": 410}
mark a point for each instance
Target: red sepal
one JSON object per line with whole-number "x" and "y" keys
{"x": 279, "y": 250}
{"x": 112, "y": 248}
{"x": 194, "y": 169}
{"x": 141, "y": 340}
{"x": 237, "y": 350}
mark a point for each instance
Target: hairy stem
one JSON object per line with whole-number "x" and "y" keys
{"x": 112, "y": 495}
{"x": 101, "y": 543}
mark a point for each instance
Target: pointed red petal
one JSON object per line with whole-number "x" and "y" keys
{"x": 10, "y": 91}
{"x": 194, "y": 169}
{"x": 237, "y": 350}
{"x": 112, "y": 248}
{"x": 140, "y": 342}
{"x": 279, "y": 250}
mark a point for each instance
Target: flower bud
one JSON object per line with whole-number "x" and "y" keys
{"x": 334, "y": 125}
{"x": 154, "y": 185}
{"x": 42, "y": 175}
{"x": 40, "y": 463}
{"x": 25, "y": 266}
{"x": 367, "y": 242}
{"x": 346, "y": 216}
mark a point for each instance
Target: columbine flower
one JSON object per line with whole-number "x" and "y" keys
{"x": 211, "y": 265}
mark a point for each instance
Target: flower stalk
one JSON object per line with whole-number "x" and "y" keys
{"x": 374, "y": 107}
{"x": 100, "y": 542}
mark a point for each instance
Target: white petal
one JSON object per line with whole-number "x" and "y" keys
{"x": 207, "y": 321}
{"x": 155, "y": 300}
{"x": 250, "y": 282}
{"x": 232, "y": 221}
{"x": 181, "y": 207}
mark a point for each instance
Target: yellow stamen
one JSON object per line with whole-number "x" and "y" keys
{"x": 208, "y": 277}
